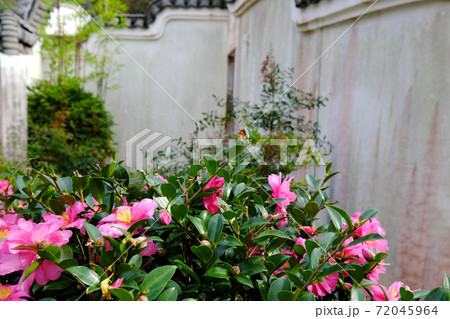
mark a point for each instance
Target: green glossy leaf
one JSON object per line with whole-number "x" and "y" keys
{"x": 59, "y": 284}
{"x": 326, "y": 240}
{"x": 66, "y": 252}
{"x": 230, "y": 241}
{"x": 276, "y": 286}
{"x": 315, "y": 257}
{"x": 203, "y": 252}
{"x": 170, "y": 294}
{"x": 121, "y": 175}
{"x": 16, "y": 170}
{"x": 211, "y": 165}
{"x": 312, "y": 182}
{"x": 185, "y": 269}
{"x": 229, "y": 215}
{"x": 108, "y": 170}
{"x": 217, "y": 272}
{"x": 307, "y": 296}
{"x": 297, "y": 215}
{"x": 85, "y": 275}
{"x": 299, "y": 250}
{"x": 310, "y": 246}
{"x": 312, "y": 209}
{"x": 285, "y": 295}
{"x": 251, "y": 266}
{"x": 336, "y": 211}
{"x": 244, "y": 280}
{"x": 215, "y": 227}
{"x": 31, "y": 268}
{"x": 273, "y": 233}
{"x": 66, "y": 185}
{"x": 97, "y": 189}
{"x": 406, "y": 295}
{"x": 56, "y": 206}
{"x": 92, "y": 232}
{"x": 135, "y": 261}
{"x": 437, "y": 294}
{"x": 156, "y": 280}
{"x": 121, "y": 294}
{"x": 80, "y": 183}
{"x": 197, "y": 224}
{"x": 330, "y": 269}
{"x": 50, "y": 253}
{"x": 169, "y": 191}
{"x": 368, "y": 214}
{"x": 179, "y": 212}
{"x": 108, "y": 199}
{"x": 67, "y": 263}
{"x": 256, "y": 221}
{"x": 357, "y": 294}
{"x": 366, "y": 238}
{"x": 67, "y": 199}
{"x": 335, "y": 218}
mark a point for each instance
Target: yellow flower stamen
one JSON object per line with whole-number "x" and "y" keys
{"x": 124, "y": 214}
{"x": 66, "y": 219}
{"x": 4, "y": 292}
{"x": 3, "y": 233}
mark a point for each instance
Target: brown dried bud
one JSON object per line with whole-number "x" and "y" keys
{"x": 161, "y": 252}
{"x": 99, "y": 242}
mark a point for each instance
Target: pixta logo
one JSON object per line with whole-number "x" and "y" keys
{"x": 142, "y": 147}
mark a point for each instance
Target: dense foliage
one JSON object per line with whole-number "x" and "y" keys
{"x": 279, "y": 128}
{"x": 212, "y": 234}
{"x": 68, "y": 128}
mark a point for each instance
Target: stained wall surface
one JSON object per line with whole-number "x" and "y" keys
{"x": 387, "y": 81}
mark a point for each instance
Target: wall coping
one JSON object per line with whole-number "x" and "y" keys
{"x": 157, "y": 28}
{"x": 330, "y": 12}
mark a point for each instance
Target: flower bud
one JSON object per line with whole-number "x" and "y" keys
{"x": 205, "y": 235}
{"x": 142, "y": 298}
{"x": 235, "y": 270}
{"x": 133, "y": 242}
{"x": 164, "y": 217}
{"x": 205, "y": 243}
{"x": 161, "y": 252}
{"x": 99, "y": 242}
{"x": 368, "y": 254}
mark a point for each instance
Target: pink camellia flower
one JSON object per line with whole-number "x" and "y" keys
{"x": 13, "y": 293}
{"x": 371, "y": 226}
{"x": 374, "y": 275}
{"x": 35, "y": 237}
{"x": 322, "y": 288}
{"x": 150, "y": 247}
{"x": 308, "y": 229}
{"x": 125, "y": 216}
{"x": 69, "y": 217}
{"x": 281, "y": 189}
{"x": 161, "y": 178}
{"x": 117, "y": 283}
{"x": 164, "y": 217}
{"x": 5, "y": 188}
{"x": 393, "y": 293}
{"x": 210, "y": 201}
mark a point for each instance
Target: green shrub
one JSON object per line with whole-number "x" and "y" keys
{"x": 68, "y": 128}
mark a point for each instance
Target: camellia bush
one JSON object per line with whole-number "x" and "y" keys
{"x": 212, "y": 234}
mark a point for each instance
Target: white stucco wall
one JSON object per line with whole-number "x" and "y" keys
{"x": 386, "y": 80}
{"x": 185, "y": 51}
{"x": 16, "y": 72}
